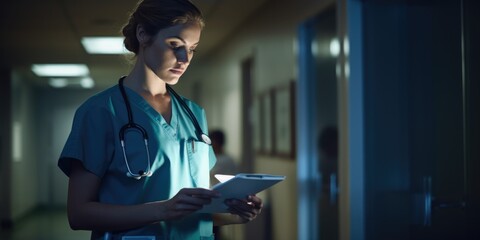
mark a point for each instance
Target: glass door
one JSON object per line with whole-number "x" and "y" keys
{"x": 326, "y": 48}
{"x": 318, "y": 123}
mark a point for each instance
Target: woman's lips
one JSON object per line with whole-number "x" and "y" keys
{"x": 177, "y": 71}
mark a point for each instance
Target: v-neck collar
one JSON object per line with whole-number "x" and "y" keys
{"x": 139, "y": 101}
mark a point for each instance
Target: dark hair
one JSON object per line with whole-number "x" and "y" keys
{"x": 155, "y": 15}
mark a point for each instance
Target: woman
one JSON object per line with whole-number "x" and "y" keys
{"x": 121, "y": 188}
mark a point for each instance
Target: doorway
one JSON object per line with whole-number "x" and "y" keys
{"x": 318, "y": 127}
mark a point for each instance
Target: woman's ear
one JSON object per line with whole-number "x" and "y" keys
{"x": 142, "y": 35}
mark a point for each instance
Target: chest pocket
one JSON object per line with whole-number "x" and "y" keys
{"x": 198, "y": 159}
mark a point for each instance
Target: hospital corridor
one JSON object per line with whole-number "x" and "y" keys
{"x": 369, "y": 108}
{"x": 44, "y": 224}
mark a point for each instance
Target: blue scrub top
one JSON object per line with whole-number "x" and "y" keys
{"x": 179, "y": 159}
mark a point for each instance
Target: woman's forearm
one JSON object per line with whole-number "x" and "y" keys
{"x": 105, "y": 217}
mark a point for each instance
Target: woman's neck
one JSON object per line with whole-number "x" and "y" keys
{"x": 144, "y": 81}
{"x": 153, "y": 89}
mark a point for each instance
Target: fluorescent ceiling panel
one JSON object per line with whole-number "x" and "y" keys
{"x": 85, "y": 82}
{"x": 104, "y": 45}
{"x": 60, "y": 70}
{"x": 58, "y": 82}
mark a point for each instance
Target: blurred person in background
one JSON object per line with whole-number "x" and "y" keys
{"x": 225, "y": 163}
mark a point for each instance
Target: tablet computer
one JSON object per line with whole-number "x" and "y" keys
{"x": 239, "y": 186}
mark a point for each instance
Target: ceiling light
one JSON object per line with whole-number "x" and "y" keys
{"x": 334, "y": 47}
{"x": 58, "y": 82}
{"x": 60, "y": 70}
{"x": 87, "y": 82}
{"x": 104, "y": 45}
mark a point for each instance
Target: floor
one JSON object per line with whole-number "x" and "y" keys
{"x": 43, "y": 224}
{"x": 52, "y": 224}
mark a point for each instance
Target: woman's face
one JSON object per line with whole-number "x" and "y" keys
{"x": 171, "y": 51}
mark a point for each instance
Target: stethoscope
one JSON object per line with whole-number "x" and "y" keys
{"x": 131, "y": 125}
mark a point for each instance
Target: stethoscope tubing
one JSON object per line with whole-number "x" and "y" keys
{"x": 132, "y": 125}
{"x": 203, "y": 136}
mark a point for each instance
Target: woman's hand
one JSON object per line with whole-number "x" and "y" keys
{"x": 247, "y": 209}
{"x": 186, "y": 201}
{"x": 85, "y": 212}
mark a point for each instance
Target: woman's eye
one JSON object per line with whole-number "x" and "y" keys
{"x": 174, "y": 45}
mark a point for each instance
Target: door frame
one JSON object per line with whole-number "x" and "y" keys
{"x": 350, "y": 123}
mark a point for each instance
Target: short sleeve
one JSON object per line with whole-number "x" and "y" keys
{"x": 90, "y": 141}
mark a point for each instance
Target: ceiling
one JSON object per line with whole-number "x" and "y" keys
{"x": 49, "y": 31}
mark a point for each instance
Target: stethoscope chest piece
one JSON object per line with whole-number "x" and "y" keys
{"x": 206, "y": 139}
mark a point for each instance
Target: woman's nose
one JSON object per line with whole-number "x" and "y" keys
{"x": 182, "y": 55}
